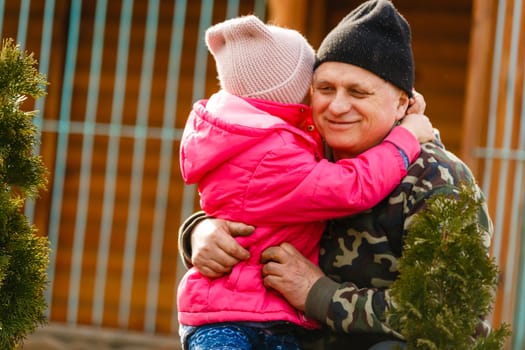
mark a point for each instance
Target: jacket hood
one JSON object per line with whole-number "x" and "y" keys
{"x": 221, "y": 128}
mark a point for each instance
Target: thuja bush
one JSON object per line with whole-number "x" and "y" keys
{"x": 447, "y": 280}
{"x": 24, "y": 255}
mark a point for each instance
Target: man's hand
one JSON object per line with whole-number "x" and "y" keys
{"x": 417, "y": 104}
{"x": 214, "y": 248}
{"x": 290, "y": 273}
{"x": 420, "y": 126}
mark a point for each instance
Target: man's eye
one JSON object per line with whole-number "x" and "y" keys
{"x": 324, "y": 88}
{"x": 358, "y": 93}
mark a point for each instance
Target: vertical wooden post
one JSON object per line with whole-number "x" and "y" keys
{"x": 478, "y": 78}
{"x": 308, "y": 17}
{"x": 290, "y": 13}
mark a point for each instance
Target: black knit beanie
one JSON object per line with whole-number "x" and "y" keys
{"x": 376, "y": 37}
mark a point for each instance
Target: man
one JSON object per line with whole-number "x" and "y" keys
{"x": 363, "y": 78}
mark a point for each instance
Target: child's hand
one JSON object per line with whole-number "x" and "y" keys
{"x": 420, "y": 126}
{"x": 416, "y": 103}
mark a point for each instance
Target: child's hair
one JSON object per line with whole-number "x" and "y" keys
{"x": 259, "y": 60}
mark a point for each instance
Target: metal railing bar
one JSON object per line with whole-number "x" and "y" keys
{"x": 518, "y": 341}
{"x": 260, "y": 8}
{"x": 86, "y": 158}
{"x": 62, "y": 142}
{"x": 517, "y": 221}
{"x": 114, "y": 132}
{"x": 45, "y": 49}
{"x": 23, "y": 16}
{"x": 2, "y": 11}
{"x": 232, "y": 9}
{"x": 494, "y": 90}
{"x": 504, "y": 170}
{"x": 491, "y": 130}
{"x": 163, "y": 181}
{"x": 139, "y": 151}
{"x": 500, "y": 153}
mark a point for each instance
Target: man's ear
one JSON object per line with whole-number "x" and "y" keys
{"x": 402, "y": 105}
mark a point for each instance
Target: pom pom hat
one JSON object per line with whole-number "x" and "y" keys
{"x": 261, "y": 61}
{"x": 376, "y": 37}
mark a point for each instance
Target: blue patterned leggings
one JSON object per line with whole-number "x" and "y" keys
{"x": 239, "y": 337}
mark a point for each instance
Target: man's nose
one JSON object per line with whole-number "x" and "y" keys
{"x": 340, "y": 104}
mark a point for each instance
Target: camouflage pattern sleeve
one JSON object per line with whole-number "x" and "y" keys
{"x": 358, "y": 309}
{"x": 185, "y": 231}
{"x": 359, "y": 254}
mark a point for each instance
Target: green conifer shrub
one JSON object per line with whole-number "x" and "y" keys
{"x": 24, "y": 256}
{"x": 447, "y": 280}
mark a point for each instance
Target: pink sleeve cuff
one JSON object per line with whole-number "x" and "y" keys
{"x": 406, "y": 141}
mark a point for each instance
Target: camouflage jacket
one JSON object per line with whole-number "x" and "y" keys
{"x": 359, "y": 254}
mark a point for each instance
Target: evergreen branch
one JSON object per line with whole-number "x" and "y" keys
{"x": 447, "y": 280}
{"x": 23, "y": 255}
{"x": 20, "y": 170}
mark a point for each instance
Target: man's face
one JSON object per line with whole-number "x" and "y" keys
{"x": 353, "y": 108}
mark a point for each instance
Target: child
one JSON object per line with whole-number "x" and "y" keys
{"x": 257, "y": 159}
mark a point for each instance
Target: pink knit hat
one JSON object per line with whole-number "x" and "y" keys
{"x": 261, "y": 61}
